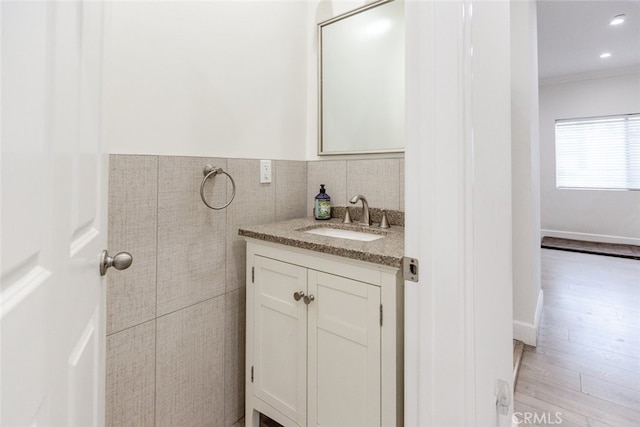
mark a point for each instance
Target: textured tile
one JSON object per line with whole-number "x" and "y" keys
{"x": 378, "y": 180}
{"x": 190, "y": 366}
{"x": 331, "y": 173}
{"x": 401, "y": 185}
{"x": 130, "y": 382}
{"x": 133, "y": 191}
{"x": 191, "y": 237}
{"x": 375, "y": 214}
{"x": 291, "y": 189}
{"x": 234, "y": 354}
{"x": 255, "y": 203}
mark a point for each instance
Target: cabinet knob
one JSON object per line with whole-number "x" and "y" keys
{"x": 308, "y": 299}
{"x": 298, "y": 295}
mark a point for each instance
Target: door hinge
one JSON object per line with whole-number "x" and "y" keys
{"x": 380, "y": 314}
{"x": 410, "y": 270}
{"x": 253, "y": 274}
{"x": 252, "y": 374}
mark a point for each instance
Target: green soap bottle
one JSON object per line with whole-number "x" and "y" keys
{"x": 322, "y": 209}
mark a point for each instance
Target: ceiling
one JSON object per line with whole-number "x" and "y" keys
{"x": 573, "y": 34}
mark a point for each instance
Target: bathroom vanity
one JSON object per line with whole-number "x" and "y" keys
{"x": 324, "y": 325}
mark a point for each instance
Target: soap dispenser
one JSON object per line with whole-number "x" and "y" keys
{"x": 322, "y": 209}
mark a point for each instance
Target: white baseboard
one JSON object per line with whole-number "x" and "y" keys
{"x": 602, "y": 238}
{"x": 528, "y": 332}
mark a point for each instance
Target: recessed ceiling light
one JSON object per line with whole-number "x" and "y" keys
{"x": 618, "y": 19}
{"x": 605, "y": 55}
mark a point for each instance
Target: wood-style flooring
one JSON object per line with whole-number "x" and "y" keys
{"x": 585, "y": 370}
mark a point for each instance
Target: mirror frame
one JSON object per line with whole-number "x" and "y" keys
{"x": 321, "y": 25}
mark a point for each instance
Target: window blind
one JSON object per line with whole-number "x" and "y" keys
{"x": 598, "y": 152}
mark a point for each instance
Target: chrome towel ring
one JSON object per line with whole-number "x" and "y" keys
{"x": 211, "y": 171}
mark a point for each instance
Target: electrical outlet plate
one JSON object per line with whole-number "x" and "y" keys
{"x": 265, "y": 171}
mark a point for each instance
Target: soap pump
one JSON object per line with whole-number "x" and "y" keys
{"x": 322, "y": 207}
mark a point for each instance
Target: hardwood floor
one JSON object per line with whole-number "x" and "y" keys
{"x": 585, "y": 370}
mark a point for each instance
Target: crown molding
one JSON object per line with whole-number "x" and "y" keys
{"x": 568, "y": 78}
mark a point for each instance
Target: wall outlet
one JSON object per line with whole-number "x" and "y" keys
{"x": 265, "y": 171}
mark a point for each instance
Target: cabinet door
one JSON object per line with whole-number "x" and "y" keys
{"x": 344, "y": 352}
{"x": 280, "y": 331}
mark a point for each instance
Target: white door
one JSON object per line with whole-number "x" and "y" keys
{"x": 53, "y": 224}
{"x": 344, "y": 352}
{"x": 458, "y": 317}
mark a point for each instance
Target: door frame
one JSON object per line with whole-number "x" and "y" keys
{"x": 458, "y": 317}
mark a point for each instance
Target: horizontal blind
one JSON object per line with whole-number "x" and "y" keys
{"x": 598, "y": 153}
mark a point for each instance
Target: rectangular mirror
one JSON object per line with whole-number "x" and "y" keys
{"x": 361, "y": 79}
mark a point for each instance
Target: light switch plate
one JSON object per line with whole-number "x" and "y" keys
{"x": 265, "y": 171}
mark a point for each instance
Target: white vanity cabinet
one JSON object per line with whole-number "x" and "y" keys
{"x": 324, "y": 339}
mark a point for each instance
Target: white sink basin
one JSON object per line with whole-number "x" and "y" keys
{"x": 344, "y": 234}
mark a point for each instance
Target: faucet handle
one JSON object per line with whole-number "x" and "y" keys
{"x": 384, "y": 222}
{"x": 347, "y": 216}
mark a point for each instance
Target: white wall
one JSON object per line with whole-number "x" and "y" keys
{"x": 525, "y": 163}
{"x": 612, "y": 216}
{"x": 214, "y": 78}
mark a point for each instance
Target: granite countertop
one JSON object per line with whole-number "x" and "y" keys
{"x": 387, "y": 251}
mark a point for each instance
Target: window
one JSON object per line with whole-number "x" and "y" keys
{"x": 598, "y": 152}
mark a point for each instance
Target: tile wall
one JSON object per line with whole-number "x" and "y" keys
{"x": 381, "y": 181}
{"x": 176, "y": 317}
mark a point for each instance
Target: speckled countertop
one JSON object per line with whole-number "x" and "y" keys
{"x": 386, "y": 251}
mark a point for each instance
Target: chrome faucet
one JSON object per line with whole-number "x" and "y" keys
{"x": 365, "y": 209}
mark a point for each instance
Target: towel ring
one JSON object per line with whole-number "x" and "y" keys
{"x": 211, "y": 171}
